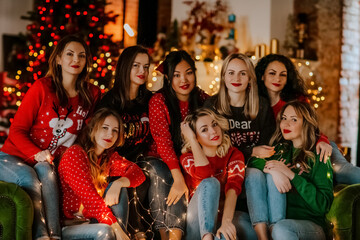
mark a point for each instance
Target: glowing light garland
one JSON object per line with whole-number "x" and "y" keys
{"x": 307, "y": 69}
{"x": 154, "y": 212}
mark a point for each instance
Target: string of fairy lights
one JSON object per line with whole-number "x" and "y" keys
{"x": 154, "y": 213}
{"x": 307, "y": 70}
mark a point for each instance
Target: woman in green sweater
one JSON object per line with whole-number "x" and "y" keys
{"x": 298, "y": 174}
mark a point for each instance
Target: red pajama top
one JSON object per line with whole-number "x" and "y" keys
{"x": 78, "y": 188}
{"x": 159, "y": 118}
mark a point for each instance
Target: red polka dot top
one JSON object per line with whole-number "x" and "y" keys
{"x": 159, "y": 119}
{"x": 78, "y": 188}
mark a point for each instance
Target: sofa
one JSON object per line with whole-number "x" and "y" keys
{"x": 344, "y": 214}
{"x": 17, "y": 213}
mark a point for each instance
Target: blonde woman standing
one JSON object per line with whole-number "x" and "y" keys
{"x": 250, "y": 117}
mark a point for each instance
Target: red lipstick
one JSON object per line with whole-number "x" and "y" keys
{"x": 276, "y": 84}
{"x": 215, "y": 138}
{"x": 186, "y": 86}
{"x": 107, "y": 140}
{"x": 236, "y": 84}
{"x": 141, "y": 76}
{"x": 286, "y": 131}
{"x": 75, "y": 66}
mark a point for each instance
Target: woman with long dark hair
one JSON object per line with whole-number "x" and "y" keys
{"x": 178, "y": 97}
{"x": 47, "y": 122}
{"x": 279, "y": 81}
{"x": 130, "y": 98}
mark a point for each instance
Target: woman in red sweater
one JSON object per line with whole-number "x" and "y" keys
{"x": 85, "y": 169}
{"x": 167, "y": 108}
{"x": 48, "y": 121}
{"x": 214, "y": 173}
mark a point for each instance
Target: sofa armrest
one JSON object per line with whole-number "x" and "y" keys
{"x": 345, "y": 212}
{"x": 17, "y": 212}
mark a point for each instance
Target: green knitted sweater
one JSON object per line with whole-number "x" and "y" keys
{"x": 311, "y": 195}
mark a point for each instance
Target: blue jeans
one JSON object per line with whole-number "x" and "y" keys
{"x": 266, "y": 204}
{"x": 290, "y": 229}
{"x": 202, "y": 210}
{"x": 344, "y": 172}
{"x": 165, "y": 217}
{"x": 202, "y": 213}
{"x": 40, "y": 183}
{"x": 100, "y": 231}
{"x": 244, "y": 229}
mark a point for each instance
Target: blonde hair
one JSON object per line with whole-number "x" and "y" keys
{"x": 309, "y": 133}
{"x": 223, "y": 123}
{"x": 222, "y": 98}
{"x": 87, "y": 141}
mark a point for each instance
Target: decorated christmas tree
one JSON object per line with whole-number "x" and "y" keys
{"x": 49, "y": 22}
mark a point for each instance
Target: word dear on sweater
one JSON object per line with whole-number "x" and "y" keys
{"x": 236, "y": 124}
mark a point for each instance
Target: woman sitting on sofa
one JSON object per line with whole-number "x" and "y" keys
{"x": 279, "y": 81}
{"x": 85, "y": 171}
{"x": 214, "y": 172}
{"x": 48, "y": 121}
{"x": 294, "y": 189}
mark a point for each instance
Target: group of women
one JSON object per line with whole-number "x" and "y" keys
{"x": 176, "y": 162}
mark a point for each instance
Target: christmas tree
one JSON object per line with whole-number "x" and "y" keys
{"x": 50, "y": 21}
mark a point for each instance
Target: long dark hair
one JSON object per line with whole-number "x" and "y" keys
{"x": 295, "y": 85}
{"x": 86, "y": 140}
{"x": 171, "y": 101}
{"x": 55, "y": 73}
{"x": 121, "y": 89}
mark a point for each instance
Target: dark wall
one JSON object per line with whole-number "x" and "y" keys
{"x": 147, "y": 26}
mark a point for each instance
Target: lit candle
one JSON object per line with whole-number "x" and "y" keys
{"x": 257, "y": 51}
{"x": 274, "y": 46}
{"x": 262, "y": 50}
